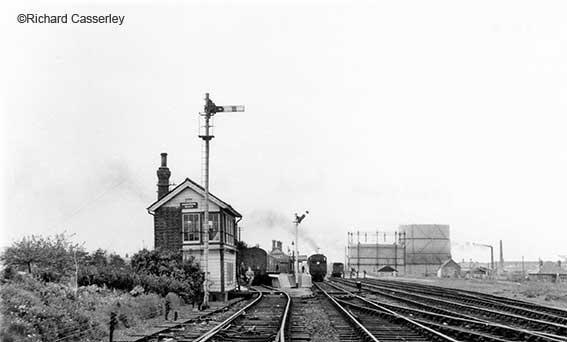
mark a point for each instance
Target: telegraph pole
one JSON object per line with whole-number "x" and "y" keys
{"x": 210, "y": 110}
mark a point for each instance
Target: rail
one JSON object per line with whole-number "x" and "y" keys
{"x": 360, "y": 327}
{"x": 410, "y": 321}
{"x": 209, "y": 334}
{"x": 535, "y": 324}
{"x": 280, "y": 337}
{"x": 281, "y": 333}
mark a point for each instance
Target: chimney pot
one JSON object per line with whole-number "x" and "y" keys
{"x": 164, "y": 160}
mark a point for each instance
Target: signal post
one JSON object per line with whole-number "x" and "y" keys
{"x": 210, "y": 110}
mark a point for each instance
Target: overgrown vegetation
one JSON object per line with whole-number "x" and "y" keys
{"x": 52, "y": 289}
{"x": 50, "y": 258}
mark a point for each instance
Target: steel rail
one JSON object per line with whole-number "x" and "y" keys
{"x": 478, "y": 309}
{"x": 511, "y": 302}
{"x": 472, "y": 320}
{"x": 281, "y": 333}
{"x": 361, "y": 327}
{"x": 502, "y": 303}
{"x": 412, "y": 322}
{"x": 209, "y": 334}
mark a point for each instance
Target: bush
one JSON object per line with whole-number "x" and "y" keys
{"x": 49, "y": 258}
{"x": 157, "y": 271}
{"x": 137, "y": 290}
{"x": 38, "y": 306}
{"x": 117, "y": 278}
{"x": 38, "y": 311}
{"x": 164, "y": 271}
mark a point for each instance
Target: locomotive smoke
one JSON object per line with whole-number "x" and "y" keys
{"x": 117, "y": 172}
{"x": 272, "y": 219}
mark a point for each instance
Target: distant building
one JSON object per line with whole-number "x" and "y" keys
{"x": 479, "y": 272}
{"x": 549, "y": 271}
{"x": 414, "y": 249}
{"x": 386, "y": 271}
{"x": 551, "y": 267}
{"x": 282, "y": 262}
{"x": 449, "y": 269}
{"x": 427, "y": 246}
{"x": 178, "y": 225}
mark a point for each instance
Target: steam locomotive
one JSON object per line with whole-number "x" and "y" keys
{"x": 317, "y": 267}
{"x": 263, "y": 264}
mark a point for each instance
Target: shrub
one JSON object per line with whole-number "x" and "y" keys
{"x": 38, "y": 311}
{"x": 50, "y": 258}
{"x": 117, "y": 278}
{"x": 164, "y": 271}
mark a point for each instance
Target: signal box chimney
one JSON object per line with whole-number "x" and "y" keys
{"x": 163, "y": 175}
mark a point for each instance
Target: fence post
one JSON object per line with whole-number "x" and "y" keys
{"x": 167, "y": 306}
{"x": 112, "y": 325}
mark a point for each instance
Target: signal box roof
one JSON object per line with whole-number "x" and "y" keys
{"x": 198, "y": 189}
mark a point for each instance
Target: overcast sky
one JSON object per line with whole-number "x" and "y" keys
{"x": 369, "y": 116}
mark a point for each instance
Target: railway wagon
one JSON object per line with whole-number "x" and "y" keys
{"x": 257, "y": 259}
{"x": 338, "y": 270}
{"x": 262, "y": 264}
{"x": 317, "y": 267}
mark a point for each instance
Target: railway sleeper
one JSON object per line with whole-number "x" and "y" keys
{"x": 504, "y": 304}
{"x": 483, "y": 312}
{"x": 475, "y": 295}
{"x": 500, "y": 330}
{"x": 459, "y": 332}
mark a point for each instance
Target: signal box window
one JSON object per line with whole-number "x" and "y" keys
{"x": 214, "y": 232}
{"x": 229, "y": 230}
{"x": 191, "y": 224}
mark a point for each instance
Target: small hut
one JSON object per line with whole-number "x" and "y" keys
{"x": 449, "y": 269}
{"x": 387, "y": 271}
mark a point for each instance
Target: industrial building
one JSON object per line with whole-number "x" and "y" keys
{"x": 370, "y": 251}
{"x": 416, "y": 249}
{"x": 178, "y": 225}
{"x": 428, "y": 246}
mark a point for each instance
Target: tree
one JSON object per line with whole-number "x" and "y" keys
{"x": 158, "y": 262}
{"x": 98, "y": 258}
{"x": 241, "y": 245}
{"x": 168, "y": 270}
{"x": 116, "y": 261}
{"x": 26, "y": 252}
{"x": 51, "y": 258}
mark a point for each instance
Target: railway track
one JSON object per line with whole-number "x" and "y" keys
{"x": 526, "y": 309}
{"x": 456, "y": 319}
{"x": 540, "y": 322}
{"x": 262, "y": 320}
{"x": 374, "y": 323}
{"x": 300, "y": 326}
{"x": 379, "y": 311}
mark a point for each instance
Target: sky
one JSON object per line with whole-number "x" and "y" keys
{"x": 369, "y": 115}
